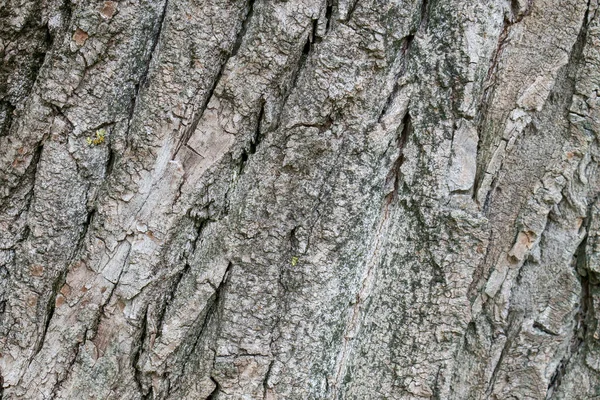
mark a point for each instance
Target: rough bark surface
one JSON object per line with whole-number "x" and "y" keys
{"x": 301, "y": 199}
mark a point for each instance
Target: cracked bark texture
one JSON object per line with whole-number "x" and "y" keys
{"x": 301, "y": 199}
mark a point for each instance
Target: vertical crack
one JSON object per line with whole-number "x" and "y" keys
{"x": 515, "y": 17}
{"x": 156, "y": 39}
{"x": 244, "y": 29}
{"x": 138, "y": 374}
{"x": 395, "y": 173}
{"x": 254, "y": 140}
{"x": 58, "y": 284}
{"x": 70, "y": 366}
{"x": 143, "y": 80}
{"x": 50, "y": 308}
{"x": 232, "y": 53}
{"x": 480, "y": 169}
{"x": 196, "y": 120}
{"x": 215, "y": 393}
{"x": 200, "y": 225}
{"x": 265, "y": 381}
{"x": 110, "y": 162}
{"x": 86, "y": 227}
{"x": 425, "y": 10}
{"x": 307, "y": 50}
{"x": 512, "y": 331}
{"x": 372, "y": 260}
{"x": 7, "y": 110}
{"x": 585, "y": 312}
{"x": 351, "y": 10}
{"x": 406, "y": 43}
{"x": 215, "y": 302}
{"x": 328, "y": 15}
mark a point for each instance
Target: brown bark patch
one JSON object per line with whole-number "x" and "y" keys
{"x": 65, "y": 290}
{"x": 60, "y": 300}
{"x": 108, "y": 9}
{"x": 80, "y": 36}
{"x": 32, "y": 301}
{"x": 36, "y": 270}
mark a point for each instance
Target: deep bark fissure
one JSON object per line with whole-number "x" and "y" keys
{"x": 111, "y": 160}
{"x": 577, "y": 339}
{"x": 404, "y": 49}
{"x": 86, "y": 227}
{"x": 328, "y": 15}
{"x": 512, "y": 331}
{"x": 6, "y": 116}
{"x": 569, "y": 69}
{"x": 436, "y": 385}
{"x": 213, "y": 395}
{"x": 265, "y": 380}
{"x": 490, "y": 85}
{"x": 213, "y": 304}
{"x": 576, "y": 53}
{"x": 69, "y": 368}
{"x": 143, "y": 79}
{"x": 93, "y": 327}
{"x": 183, "y": 141}
{"x": 244, "y": 29}
{"x": 351, "y": 9}
{"x": 584, "y": 313}
{"x": 201, "y": 224}
{"x": 488, "y": 92}
{"x": 212, "y": 312}
{"x": 169, "y": 298}
{"x": 254, "y": 140}
{"x": 155, "y": 40}
{"x": 139, "y": 348}
{"x": 50, "y": 308}
{"x": 29, "y": 174}
{"x": 60, "y": 281}
{"x": 424, "y": 17}
{"x": 540, "y": 327}
{"x": 395, "y": 172}
{"x": 315, "y": 38}
{"x": 354, "y": 321}
{"x": 306, "y": 52}
{"x": 257, "y": 138}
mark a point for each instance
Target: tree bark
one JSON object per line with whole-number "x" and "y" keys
{"x": 301, "y": 199}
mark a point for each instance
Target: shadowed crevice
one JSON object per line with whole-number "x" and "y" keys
{"x": 143, "y": 79}
{"x": 69, "y": 368}
{"x": 244, "y": 29}
{"x": 395, "y": 174}
{"x": 215, "y": 393}
{"x": 139, "y": 348}
{"x": 254, "y": 140}
{"x": 183, "y": 141}
{"x": 328, "y": 15}
{"x": 585, "y": 313}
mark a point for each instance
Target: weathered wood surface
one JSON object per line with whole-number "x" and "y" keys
{"x": 302, "y": 199}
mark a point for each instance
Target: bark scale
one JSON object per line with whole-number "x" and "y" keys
{"x": 302, "y": 199}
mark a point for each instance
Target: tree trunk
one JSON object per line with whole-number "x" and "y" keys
{"x": 301, "y": 199}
